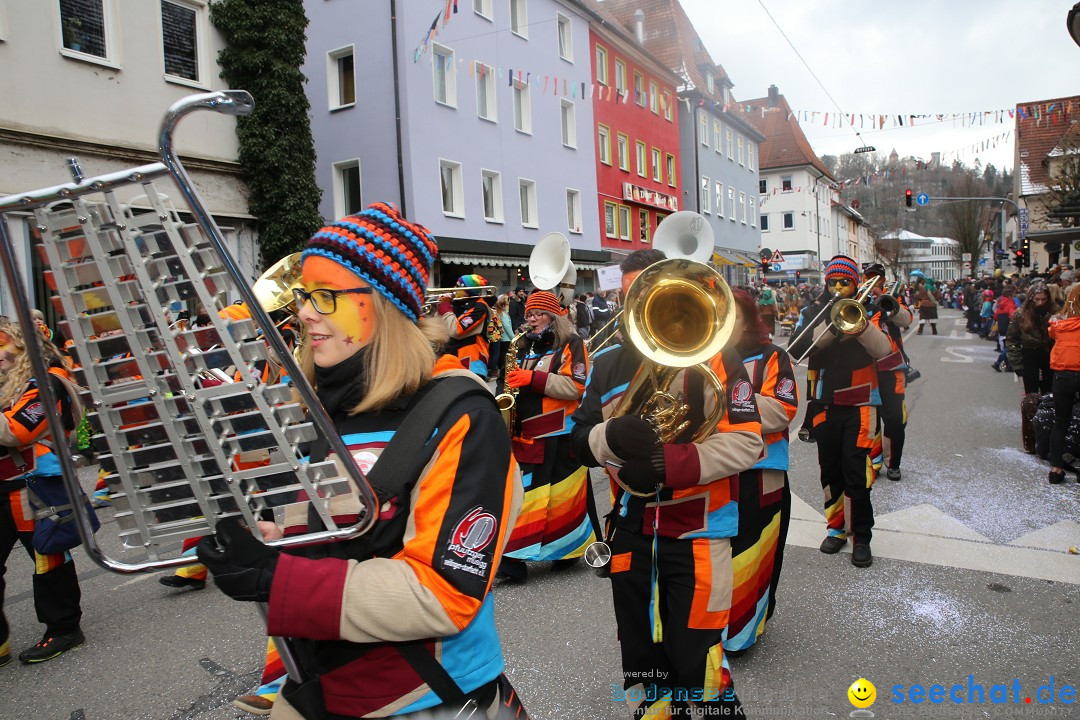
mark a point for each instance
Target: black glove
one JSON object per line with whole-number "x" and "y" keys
{"x": 643, "y": 474}
{"x": 243, "y": 567}
{"x": 631, "y": 437}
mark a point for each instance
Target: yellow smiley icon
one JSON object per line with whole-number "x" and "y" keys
{"x": 862, "y": 693}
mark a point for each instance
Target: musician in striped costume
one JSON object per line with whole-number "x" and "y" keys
{"x": 466, "y": 317}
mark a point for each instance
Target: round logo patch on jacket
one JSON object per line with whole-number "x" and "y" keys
{"x": 786, "y": 389}
{"x": 470, "y": 537}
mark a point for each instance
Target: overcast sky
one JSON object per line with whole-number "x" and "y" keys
{"x": 897, "y": 57}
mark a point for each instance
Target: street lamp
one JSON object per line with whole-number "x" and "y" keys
{"x": 1073, "y": 23}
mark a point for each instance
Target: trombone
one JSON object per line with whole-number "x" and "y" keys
{"x": 434, "y": 295}
{"x": 888, "y": 302}
{"x": 849, "y": 316}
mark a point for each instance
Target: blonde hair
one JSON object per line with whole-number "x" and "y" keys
{"x": 14, "y": 382}
{"x": 562, "y": 328}
{"x": 1072, "y": 305}
{"x": 399, "y": 360}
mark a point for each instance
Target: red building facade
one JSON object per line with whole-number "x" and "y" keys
{"x": 637, "y": 141}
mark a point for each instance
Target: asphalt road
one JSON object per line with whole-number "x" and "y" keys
{"x": 972, "y": 577}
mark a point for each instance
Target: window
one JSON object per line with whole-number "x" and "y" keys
{"x": 750, "y": 155}
{"x": 639, "y": 89}
{"x": 710, "y": 82}
{"x": 716, "y": 130}
{"x": 624, "y": 152}
{"x": 752, "y": 212}
{"x": 762, "y": 187}
{"x": 667, "y": 106}
{"x": 703, "y": 129}
{"x": 573, "y": 210}
{"x": 654, "y": 99}
{"x": 789, "y": 221}
{"x": 620, "y": 77}
{"x": 603, "y": 143}
{"x": 719, "y": 199}
{"x": 785, "y": 183}
{"x": 742, "y": 208}
{"x": 569, "y": 124}
{"x": 659, "y": 219}
{"x": 83, "y": 27}
{"x": 482, "y": 8}
{"x": 641, "y": 158}
{"x": 643, "y": 226}
{"x": 522, "y": 107}
{"x": 731, "y": 203}
{"x": 624, "y": 222}
{"x": 180, "y": 39}
{"x": 601, "y": 65}
{"x": 611, "y": 224}
{"x": 764, "y": 222}
{"x": 739, "y": 145}
{"x": 442, "y": 59}
{"x": 486, "y": 107}
{"x": 671, "y": 170}
{"x": 730, "y": 145}
{"x": 453, "y": 192}
{"x": 519, "y": 18}
{"x": 347, "y": 193}
{"x": 491, "y": 187}
{"x": 566, "y": 38}
{"x": 706, "y": 187}
{"x": 530, "y": 216}
{"x": 657, "y": 169}
{"x": 341, "y": 78}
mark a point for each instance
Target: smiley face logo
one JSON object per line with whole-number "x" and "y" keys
{"x": 862, "y": 693}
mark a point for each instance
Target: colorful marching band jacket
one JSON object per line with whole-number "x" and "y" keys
{"x": 558, "y": 382}
{"x": 468, "y": 333}
{"x": 699, "y": 498}
{"x": 893, "y": 367}
{"x": 841, "y": 369}
{"x": 777, "y": 397}
{"x": 25, "y": 431}
{"x": 423, "y": 573}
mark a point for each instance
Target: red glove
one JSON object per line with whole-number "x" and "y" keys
{"x": 444, "y": 306}
{"x": 519, "y": 378}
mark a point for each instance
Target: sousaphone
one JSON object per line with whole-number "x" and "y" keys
{"x": 550, "y": 267}
{"x": 685, "y": 235}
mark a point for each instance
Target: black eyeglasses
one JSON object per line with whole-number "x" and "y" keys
{"x": 844, "y": 282}
{"x": 325, "y": 301}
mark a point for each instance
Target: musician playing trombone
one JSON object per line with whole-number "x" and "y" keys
{"x": 398, "y": 622}
{"x": 892, "y": 372}
{"x": 844, "y": 399}
{"x": 466, "y": 316}
{"x": 670, "y": 568}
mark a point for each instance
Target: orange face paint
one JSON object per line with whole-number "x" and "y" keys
{"x": 351, "y": 326}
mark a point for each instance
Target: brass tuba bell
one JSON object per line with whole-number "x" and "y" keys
{"x": 274, "y": 287}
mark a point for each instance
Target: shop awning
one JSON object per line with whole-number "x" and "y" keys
{"x": 747, "y": 261}
{"x": 724, "y": 257}
{"x": 503, "y": 261}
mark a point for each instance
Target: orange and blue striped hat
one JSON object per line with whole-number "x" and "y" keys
{"x": 842, "y": 266}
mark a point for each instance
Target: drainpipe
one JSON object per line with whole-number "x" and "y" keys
{"x": 397, "y": 107}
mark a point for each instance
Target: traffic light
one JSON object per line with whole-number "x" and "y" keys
{"x": 798, "y": 275}
{"x": 907, "y": 197}
{"x": 1018, "y": 258}
{"x": 1026, "y": 250}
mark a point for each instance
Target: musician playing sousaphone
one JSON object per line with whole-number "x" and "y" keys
{"x": 398, "y": 622}
{"x": 842, "y": 387}
{"x": 466, "y": 316}
{"x": 557, "y": 517}
{"x": 670, "y": 568}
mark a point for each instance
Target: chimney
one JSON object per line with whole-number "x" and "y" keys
{"x": 639, "y": 20}
{"x": 774, "y": 96}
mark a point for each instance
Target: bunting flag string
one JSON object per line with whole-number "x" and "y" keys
{"x": 1044, "y": 113}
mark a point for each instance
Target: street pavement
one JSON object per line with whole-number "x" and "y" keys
{"x": 972, "y": 577}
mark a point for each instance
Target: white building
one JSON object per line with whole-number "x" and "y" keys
{"x": 936, "y": 257}
{"x": 93, "y": 80}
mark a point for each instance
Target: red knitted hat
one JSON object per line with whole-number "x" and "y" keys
{"x": 544, "y": 301}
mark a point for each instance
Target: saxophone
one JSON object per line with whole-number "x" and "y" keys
{"x": 507, "y": 399}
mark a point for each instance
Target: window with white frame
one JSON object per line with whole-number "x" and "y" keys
{"x": 764, "y": 222}
{"x": 624, "y": 222}
{"x": 763, "y": 187}
{"x": 603, "y": 144}
{"x": 657, "y": 167}
{"x": 644, "y": 230}
{"x": 706, "y": 188}
{"x": 445, "y": 74}
{"x": 731, "y": 203}
{"x": 519, "y": 18}
{"x": 486, "y": 105}
{"x": 785, "y": 183}
{"x": 752, "y": 211}
{"x": 181, "y": 39}
{"x": 750, "y": 156}
{"x": 667, "y": 106}
{"x": 601, "y": 65}
{"x": 716, "y": 137}
{"x": 84, "y": 27}
{"x": 624, "y": 152}
{"x": 730, "y": 145}
{"x": 573, "y": 210}
{"x": 569, "y": 124}
{"x": 641, "y": 160}
{"x": 739, "y": 145}
{"x": 348, "y": 199}
{"x": 654, "y": 98}
{"x": 789, "y": 221}
{"x": 341, "y": 78}
{"x": 703, "y": 129}
{"x": 453, "y": 191}
{"x": 719, "y": 199}
{"x": 483, "y": 8}
{"x": 491, "y": 188}
{"x": 742, "y": 208}
{"x": 566, "y": 38}
{"x": 611, "y": 222}
{"x": 530, "y": 215}
{"x": 620, "y": 77}
{"x": 522, "y": 107}
{"x": 639, "y": 89}
{"x": 671, "y": 170}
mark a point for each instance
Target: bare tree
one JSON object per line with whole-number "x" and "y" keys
{"x": 893, "y": 253}
{"x": 1062, "y": 200}
{"x": 966, "y": 218}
